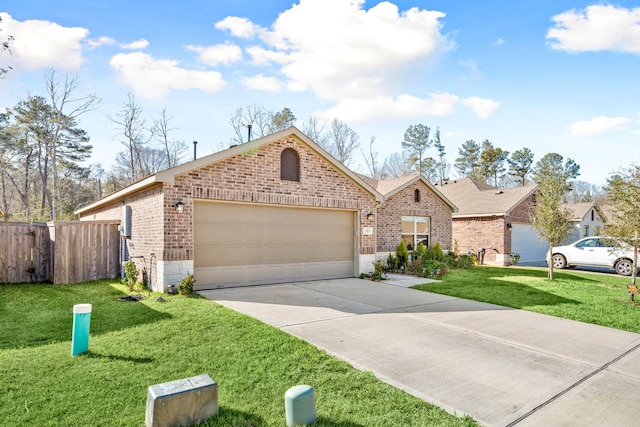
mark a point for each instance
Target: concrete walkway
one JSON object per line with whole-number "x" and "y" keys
{"x": 501, "y": 366}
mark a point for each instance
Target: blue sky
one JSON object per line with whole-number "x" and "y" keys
{"x": 553, "y": 76}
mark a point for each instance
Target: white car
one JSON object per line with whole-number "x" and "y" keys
{"x": 597, "y": 251}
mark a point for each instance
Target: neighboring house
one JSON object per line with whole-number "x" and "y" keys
{"x": 497, "y": 220}
{"x": 413, "y": 210}
{"x": 274, "y": 210}
{"x": 586, "y": 219}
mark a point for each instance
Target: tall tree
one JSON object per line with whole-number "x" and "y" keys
{"x": 492, "y": 161}
{"x": 468, "y": 164}
{"x": 174, "y": 150}
{"x": 551, "y": 220}
{"x": 623, "y": 192}
{"x": 442, "y": 163}
{"x": 520, "y": 164}
{"x": 371, "y": 160}
{"x": 249, "y": 123}
{"x": 133, "y": 134}
{"x": 67, "y": 107}
{"x": 315, "y": 129}
{"x": 415, "y": 143}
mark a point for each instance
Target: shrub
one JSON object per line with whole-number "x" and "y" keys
{"x": 465, "y": 262}
{"x": 185, "y": 287}
{"x": 392, "y": 263}
{"x": 437, "y": 251}
{"x": 378, "y": 269}
{"x": 403, "y": 254}
{"x": 130, "y": 275}
{"x": 415, "y": 266}
{"x": 515, "y": 257}
{"x": 435, "y": 269}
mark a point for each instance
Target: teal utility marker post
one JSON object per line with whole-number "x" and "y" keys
{"x": 81, "y": 324}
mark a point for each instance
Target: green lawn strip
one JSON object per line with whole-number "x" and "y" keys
{"x": 586, "y": 297}
{"x": 137, "y": 344}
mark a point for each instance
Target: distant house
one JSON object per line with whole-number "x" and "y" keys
{"x": 497, "y": 220}
{"x": 586, "y": 219}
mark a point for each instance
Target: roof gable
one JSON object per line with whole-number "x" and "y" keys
{"x": 475, "y": 198}
{"x": 168, "y": 176}
{"x": 389, "y": 187}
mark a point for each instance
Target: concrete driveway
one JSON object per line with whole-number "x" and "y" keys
{"x": 501, "y": 366}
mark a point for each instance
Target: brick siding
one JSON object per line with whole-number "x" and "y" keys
{"x": 403, "y": 203}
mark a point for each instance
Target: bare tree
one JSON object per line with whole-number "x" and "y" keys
{"x": 315, "y": 129}
{"x": 371, "y": 160}
{"x": 174, "y": 150}
{"x": 397, "y": 165}
{"x": 132, "y": 134}
{"x": 343, "y": 140}
{"x": 249, "y": 123}
{"x": 66, "y": 108}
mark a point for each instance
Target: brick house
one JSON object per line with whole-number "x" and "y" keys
{"x": 413, "y": 210}
{"x": 274, "y": 210}
{"x": 495, "y": 219}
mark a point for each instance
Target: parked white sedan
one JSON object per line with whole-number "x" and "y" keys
{"x": 594, "y": 251}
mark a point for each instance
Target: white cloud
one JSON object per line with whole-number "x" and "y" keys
{"x": 260, "y": 82}
{"x": 226, "y": 53}
{"x": 339, "y": 50}
{"x": 43, "y": 44}
{"x": 135, "y": 45}
{"x": 597, "y": 27}
{"x": 597, "y": 125}
{"x": 238, "y": 27}
{"x": 481, "y": 107}
{"x": 153, "y": 78}
{"x": 99, "y": 42}
{"x": 406, "y": 106}
{"x": 499, "y": 41}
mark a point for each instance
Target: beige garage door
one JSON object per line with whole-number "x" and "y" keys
{"x": 243, "y": 244}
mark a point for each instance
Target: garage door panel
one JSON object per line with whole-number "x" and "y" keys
{"x": 525, "y": 241}
{"x": 244, "y": 244}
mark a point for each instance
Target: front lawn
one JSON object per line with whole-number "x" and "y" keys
{"x": 137, "y": 344}
{"x": 586, "y": 297}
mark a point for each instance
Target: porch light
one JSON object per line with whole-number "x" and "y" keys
{"x": 509, "y": 226}
{"x": 179, "y": 207}
{"x": 369, "y": 216}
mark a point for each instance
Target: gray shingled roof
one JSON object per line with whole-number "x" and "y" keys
{"x": 474, "y": 198}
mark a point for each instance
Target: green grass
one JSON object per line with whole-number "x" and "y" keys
{"x": 137, "y": 344}
{"x": 586, "y": 297}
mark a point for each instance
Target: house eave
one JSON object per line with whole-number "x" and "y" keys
{"x": 120, "y": 194}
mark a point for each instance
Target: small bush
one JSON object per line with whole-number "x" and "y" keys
{"x": 434, "y": 269}
{"x": 378, "y": 270}
{"x": 403, "y": 254}
{"x": 392, "y": 263}
{"x": 515, "y": 257}
{"x": 415, "y": 266}
{"x": 437, "y": 250}
{"x": 465, "y": 262}
{"x": 130, "y": 275}
{"x": 185, "y": 287}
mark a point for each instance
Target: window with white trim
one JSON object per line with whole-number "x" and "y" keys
{"x": 415, "y": 229}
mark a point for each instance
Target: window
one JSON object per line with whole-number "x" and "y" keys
{"x": 415, "y": 229}
{"x": 290, "y": 165}
{"x": 416, "y": 196}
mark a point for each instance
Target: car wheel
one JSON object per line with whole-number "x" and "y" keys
{"x": 624, "y": 267}
{"x": 559, "y": 261}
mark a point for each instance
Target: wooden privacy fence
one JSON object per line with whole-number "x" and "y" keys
{"x": 59, "y": 252}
